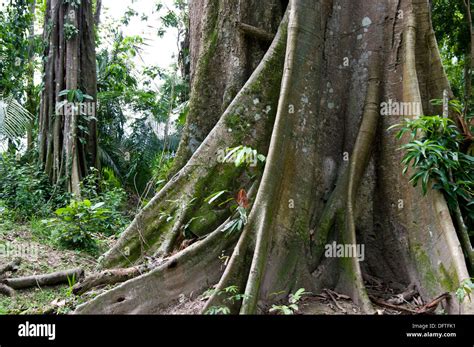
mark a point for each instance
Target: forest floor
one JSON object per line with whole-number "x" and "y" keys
{"x": 38, "y": 257}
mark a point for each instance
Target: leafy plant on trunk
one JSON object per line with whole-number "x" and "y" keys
{"x": 464, "y": 291}
{"x": 434, "y": 156}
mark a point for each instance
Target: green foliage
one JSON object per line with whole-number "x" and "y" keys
{"x": 77, "y": 224}
{"x": 106, "y": 189}
{"x": 232, "y": 296}
{"x": 75, "y": 95}
{"x": 238, "y": 223}
{"x": 71, "y": 281}
{"x": 214, "y": 197}
{"x": 434, "y": 154}
{"x": 176, "y": 17}
{"x": 458, "y": 108}
{"x": 25, "y": 189}
{"x": 139, "y": 158}
{"x": 81, "y": 224}
{"x": 241, "y": 155}
{"x": 26, "y": 194}
{"x": 70, "y": 31}
{"x": 161, "y": 168}
{"x": 15, "y": 20}
{"x": 218, "y": 310}
{"x": 15, "y": 46}
{"x": 14, "y": 119}
{"x": 293, "y": 303}
{"x": 452, "y": 34}
{"x": 464, "y": 290}
{"x": 73, "y": 3}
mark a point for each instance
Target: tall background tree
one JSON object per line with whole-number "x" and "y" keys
{"x": 68, "y": 144}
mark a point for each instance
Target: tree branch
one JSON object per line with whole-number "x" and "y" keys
{"x": 255, "y": 32}
{"x": 43, "y": 280}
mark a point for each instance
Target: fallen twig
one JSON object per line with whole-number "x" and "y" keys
{"x": 426, "y": 309}
{"x": 334, "y": 300}
{"x": 431, "y": 306}
{"x": 392, "y": 307}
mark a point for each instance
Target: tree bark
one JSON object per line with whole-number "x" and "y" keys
{"x": 222, "y": 60}
{"x": 332, "y": 174}
{"x": 66, "y": 151}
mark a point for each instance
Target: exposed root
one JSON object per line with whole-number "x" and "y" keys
{"x": 169, "y": 242}
{"x": 52, "y": 279}
{"x": 268, "y": 195}
{"x": 149, "y": 233}
{"x": 6, "y": 290}
{"x": 358, "y": 164}
{"x": 429, "y": 308}
{"x": 191, "y": 271}
{"x": 464, "y": 236}
{"x": 108, "y": 277}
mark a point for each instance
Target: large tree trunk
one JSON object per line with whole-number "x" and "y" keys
{"x": 332, "y": 173}
{"x": 222, "y": 59}
{"x": 66, "y": 151}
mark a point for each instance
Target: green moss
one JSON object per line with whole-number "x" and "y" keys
{"x": 233, "y": 121}
{"x": 207, "y": 218}
{"x": 425, "y": 268}
{"x": 450, "y": 279}
{"x": 294, "y": 254}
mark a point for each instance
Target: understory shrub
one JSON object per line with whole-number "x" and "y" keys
{"x": 25, "y": 190}
{"x": 83, "y": 222}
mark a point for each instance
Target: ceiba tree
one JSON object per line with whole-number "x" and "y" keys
{"x": 67, "y": 139}
{"x": 333, "y": 171}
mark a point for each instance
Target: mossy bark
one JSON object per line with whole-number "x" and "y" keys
{"x": 222, "y": 60}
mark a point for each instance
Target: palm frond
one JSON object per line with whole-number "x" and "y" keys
{"x": 14, "y": 118}
{"x": 107, "y": 160}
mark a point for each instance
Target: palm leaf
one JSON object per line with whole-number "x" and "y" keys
{"x": 14, "y": 118}
{"x": 107, "y": 160}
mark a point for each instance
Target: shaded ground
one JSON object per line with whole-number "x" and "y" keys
{"x": 38, "y": 257}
